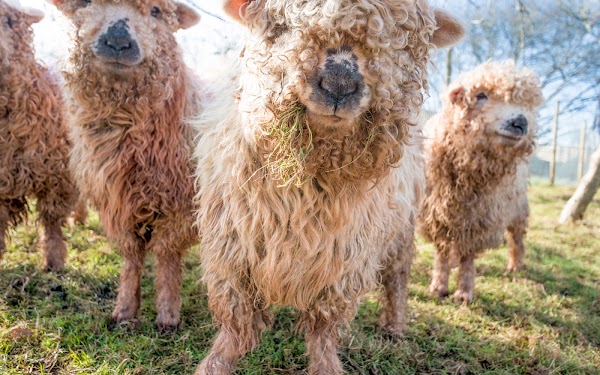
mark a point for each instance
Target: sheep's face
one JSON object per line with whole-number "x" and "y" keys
{"x": 119, "y": 35}
{"x": 505, "y": 123}
{"x": 499, "y": 105}
{"x": 343, "y": 61}
{"x": 15, "y": 32}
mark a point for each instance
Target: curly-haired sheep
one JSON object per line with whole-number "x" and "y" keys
{"x": 308, "y": 184}
{"x": 34, "y": 147}
{"x": 130, "y": 93}
{"x": 477, "y": 169}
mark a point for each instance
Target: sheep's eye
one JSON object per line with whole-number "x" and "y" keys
{"x": 482, "y": 97}
{"x": 155, "y": 11}
{"x": 9, "y": 22}
{"x": 87, "y": 1}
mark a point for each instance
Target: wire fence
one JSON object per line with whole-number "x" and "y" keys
{"x": 567, "y": 164}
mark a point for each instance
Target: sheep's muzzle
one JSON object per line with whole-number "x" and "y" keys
{"x": 514, "y": 129}
{"x": 336, "y": 92}
{"x": 117, "y": 47}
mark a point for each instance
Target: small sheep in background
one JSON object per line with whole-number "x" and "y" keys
{"x": 309, "y": 175}
{"x": 477, "y": 170}
{"x": 34, "y": 146}
{"x": 129, "y": 95}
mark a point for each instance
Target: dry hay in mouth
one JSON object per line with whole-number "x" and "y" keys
{"x": 292, "y": 143}
{"x": 291, "y": 140}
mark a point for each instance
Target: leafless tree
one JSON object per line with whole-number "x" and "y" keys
{"x": 588, "y": 187}
{"x": 559, "y": 39}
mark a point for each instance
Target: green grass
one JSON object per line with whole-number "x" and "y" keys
{"x": 544, "y": 320}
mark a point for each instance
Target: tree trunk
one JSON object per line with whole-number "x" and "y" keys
{"x": 575, "y": 207}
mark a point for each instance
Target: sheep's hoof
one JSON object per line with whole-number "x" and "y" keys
{"x": 166, "y": 328}
{"x": 54, "y": 265}
{"x": 438, "y": 290}
{"x": 463, "y": 296}
{"x": 167, "y": 322}
{"x": 334, "y": 367}
{"x": 128, "y": 325}
{"x": 214, "y": 365}
{"x": 76, "y": 221}
{"x": 393, "y": 332}
{"x": 123, "y": 318}
{"x": 512, "y": 268}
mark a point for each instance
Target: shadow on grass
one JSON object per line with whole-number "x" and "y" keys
{"x": 69, "y": 312}
{"x": 567, "y": 279}
{"x": 69, "y": 316}
{"x": 435, "y": 345}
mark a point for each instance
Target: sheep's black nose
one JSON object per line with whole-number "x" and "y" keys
{"x": 119, "y": 39}
{"x": 519, "y": 123}
{"x": 339, "y": 83}
{"x": 117, "y": 43}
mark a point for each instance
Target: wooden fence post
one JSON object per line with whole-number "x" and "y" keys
{"x": 449, "y": 66}
{"x": 554, "y": 136}
{"x": 581, "y": 160}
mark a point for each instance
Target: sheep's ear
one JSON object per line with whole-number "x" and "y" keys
{"x": 449, "y": 29}
{"x": 236, "y": 8}
{"x": 59, "y": 4}
{"x": 33, "y": 15}
{"x": 186, "y": 16}
{"x": 30, "y": 15}
{"x": 456, "y": 96}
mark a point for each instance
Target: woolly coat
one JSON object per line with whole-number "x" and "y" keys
{"x": 34, "y": 145}
{"x": 477, "y": 188}
{"x": 294, "y": 246}
{"x": 320, "y": 244}
{"x": 132, "y": 144}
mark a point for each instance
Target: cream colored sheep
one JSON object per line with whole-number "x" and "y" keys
{"x": 477, "y": 170}
{"x": 308, "y": 180}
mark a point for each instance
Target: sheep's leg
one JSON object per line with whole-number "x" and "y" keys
{"x": 54, "y": 247}
{"x": 129, "y": 296}
{"x": 466, "y": 279}
{"x": 240, "y": 324}
{"x": 395, "y": 282}
{"x": 441, "y": 273}
{"x": 12, "y": 212}
{"x": 322, "y": 334}
{"x": 4, "y": 218}
{"x": 81, "y": 212}
{"x": 53, "y": 215}
{"x": 516, "y": 253}
{"x": 168, "y": 286}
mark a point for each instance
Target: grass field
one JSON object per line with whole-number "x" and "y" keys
{"x": 544, "y": 320}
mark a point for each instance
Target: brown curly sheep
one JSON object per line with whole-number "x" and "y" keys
{"x": 477, "y": 170}
{"x": 34, "y": 147}
{"x": 130, "y": 93}
{"x": 308, "y": 182}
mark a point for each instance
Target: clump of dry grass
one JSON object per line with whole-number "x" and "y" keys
{"x": 292, "y": 143}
